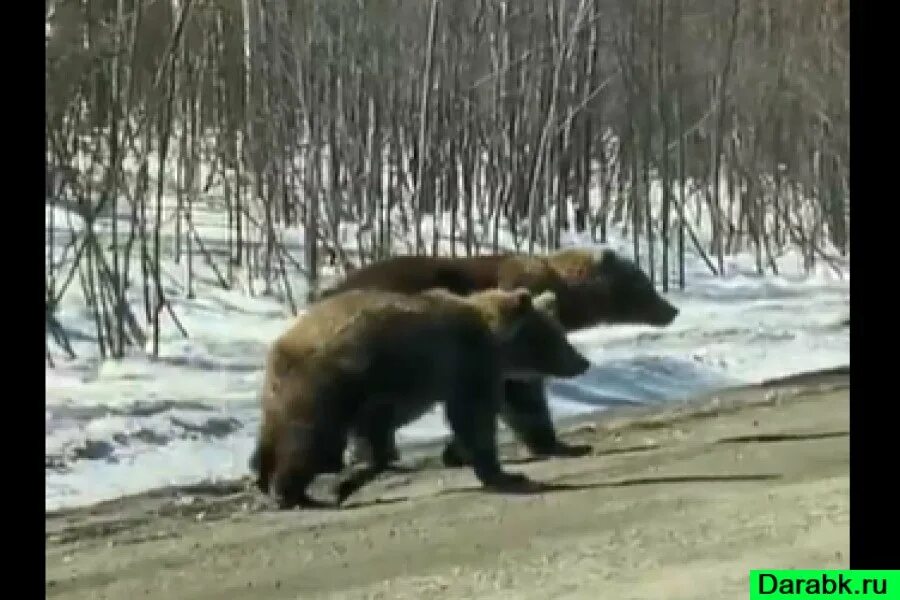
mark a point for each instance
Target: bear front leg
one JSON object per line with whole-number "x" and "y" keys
{"x": 525, "y": 410}
{"x": 454, "y": 455}
{"x": 472, "y": 412}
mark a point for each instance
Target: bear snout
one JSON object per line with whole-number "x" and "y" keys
{"x": 573, "y": 364}
{"x": 664, "y": 314}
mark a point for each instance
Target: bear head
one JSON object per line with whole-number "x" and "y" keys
{"x": 605, "y": 287}
{"x": 532, "y": 341}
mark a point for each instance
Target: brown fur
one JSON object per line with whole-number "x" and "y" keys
{"x": 591, "y": 287}
{"x": 370, "y": 361}
{"x": 413, "y": 274}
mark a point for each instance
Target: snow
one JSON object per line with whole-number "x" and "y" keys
{"x": 122, "y": 427}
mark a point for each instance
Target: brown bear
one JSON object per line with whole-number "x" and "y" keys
{"x": 591, "y": 287}
{"x": 367, "y": 362}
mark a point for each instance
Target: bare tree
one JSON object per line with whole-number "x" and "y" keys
{"x": 348, "y": 126}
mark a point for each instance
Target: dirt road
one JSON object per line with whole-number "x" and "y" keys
{"x": 674, "y": 504}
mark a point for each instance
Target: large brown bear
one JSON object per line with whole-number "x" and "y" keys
{"x": 591, "y": 287}
{"x": 368, "y": 362}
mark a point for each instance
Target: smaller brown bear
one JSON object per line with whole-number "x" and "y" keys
{"x": 369, "y": 362}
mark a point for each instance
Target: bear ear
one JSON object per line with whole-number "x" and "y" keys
{"x": 608, "y": 255}
{"x": 521, "y": 299}
{"x": 546, "y": 303}
{"x": 606, "y": 259}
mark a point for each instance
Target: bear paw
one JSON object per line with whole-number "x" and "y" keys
{"x": 513, "y": 483}
{"x": 452, "y": 457}
{"x": 563, "y": 450}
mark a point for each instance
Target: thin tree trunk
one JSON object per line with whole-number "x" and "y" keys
{"x": 423, "y": 127}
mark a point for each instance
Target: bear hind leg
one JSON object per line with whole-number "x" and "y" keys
{"x": 303, "y": 453}
{"x": 378, "y": 436}
{"x": 262, "y": 463}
